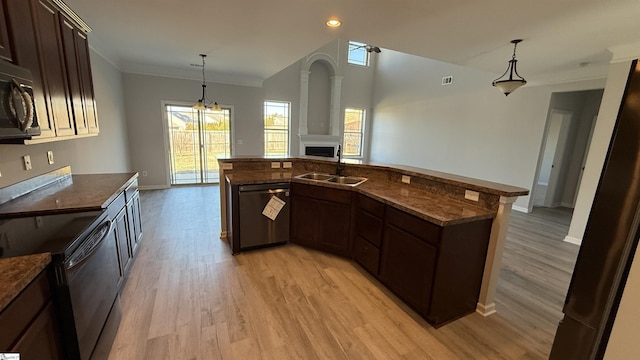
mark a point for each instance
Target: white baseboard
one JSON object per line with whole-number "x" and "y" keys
{"x": 486, "y": 310}
{"x": 520, "y": 209}
{"x": 572, "y": 240}
{"x": 154, "y": 187}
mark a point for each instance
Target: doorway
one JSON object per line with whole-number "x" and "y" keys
{"x": 570, "y": 121}
{"x": 195, "y": 139}
{"x": 553, "y": 156}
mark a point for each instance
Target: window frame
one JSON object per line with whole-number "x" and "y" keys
{"x": 287, "y": 132}
{"x": 363, "y": 119}
{"x": 357, "y": 44}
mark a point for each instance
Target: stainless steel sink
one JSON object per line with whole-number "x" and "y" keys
{"x": 335, "y": 179}
{"x": 315, "y": 176}
{"x": 347, "y": 180}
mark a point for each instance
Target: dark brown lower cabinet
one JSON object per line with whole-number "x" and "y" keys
{"x": 436, "y": 270}
{"x": 407, "y": 267}
{"x": 321, "y": 218}
{"x": 29, "y": 323}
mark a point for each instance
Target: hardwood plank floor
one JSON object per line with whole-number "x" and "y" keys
{"x": 187, "y": 297}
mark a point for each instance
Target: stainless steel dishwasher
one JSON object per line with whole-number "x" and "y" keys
{"x": 263, "y": 220}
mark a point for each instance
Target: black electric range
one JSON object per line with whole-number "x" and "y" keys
{"x": 84, "y": 272}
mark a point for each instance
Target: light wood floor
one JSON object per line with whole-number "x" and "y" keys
{"x": 188, "y": 298}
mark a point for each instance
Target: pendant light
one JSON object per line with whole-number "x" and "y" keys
{"x": 509, "y": 85}
{"x": 204, "y": 103}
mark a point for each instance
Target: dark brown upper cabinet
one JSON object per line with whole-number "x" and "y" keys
{"x": 5, "y": 45}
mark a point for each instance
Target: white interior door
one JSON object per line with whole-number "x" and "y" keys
{"x": 552, "y": 163}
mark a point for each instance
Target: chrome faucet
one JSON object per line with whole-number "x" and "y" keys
{"x": 339, "y": 165}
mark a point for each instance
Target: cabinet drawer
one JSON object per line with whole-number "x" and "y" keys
{"x": 371, "y": 206}
{"x": 20, "y": 312}
{"x": 366, "y": 255}
{"x": 413, "y": 225}
{"x": 321, "y": 193}
{"x": 369, "y": 227}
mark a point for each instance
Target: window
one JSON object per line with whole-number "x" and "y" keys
{"x": 276, "y": 128}
{"x": 358, "y": 54}
{"x": 353, "y": 132}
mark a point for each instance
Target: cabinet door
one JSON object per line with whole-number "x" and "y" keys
{"x": 133, "y": 220}
{"x": 407, "y": 266}
{"x": 5, "y": 45}
{"x": 40, "y": 340}
{"x": 68, "y": 31}
{"x": 333, "y": 227}
{"x": 52, "y": 59}
{"x": 86, "y": 80}
{"x": 304, "y": 221}
{"x": 122, "y": 241}
{"x": 26, "y": 54}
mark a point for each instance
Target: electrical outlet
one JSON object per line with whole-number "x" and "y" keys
{"x": 406, "y": 179}
{"x": 144, "y": 173}
{"x": 227, "y": 166}
{"x": 447, "y": 80}
{"x": 287, "y": 164}
{"x": 27, "y": 162}
{"x": 275, "y": 165}
{"x": 50, "y": 157}
{"x": 38, "y": 221}
{"x": 471, "y": 195}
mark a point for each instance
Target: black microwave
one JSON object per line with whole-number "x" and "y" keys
{"x": 18, "y": 118}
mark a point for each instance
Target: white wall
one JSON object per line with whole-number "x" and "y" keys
{"x": 144, "y": 95}
{"x": 467, "y": 128}
{"x": 611, "y": 100}
{"x": 108, "y": 152}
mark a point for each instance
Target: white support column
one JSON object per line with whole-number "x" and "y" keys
{"x": 336, "y": 97}
{"x": 486, "y": 302}
{"x": 304, "y": 102}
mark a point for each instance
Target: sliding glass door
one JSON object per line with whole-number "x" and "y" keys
{"x": 196, "y": 138}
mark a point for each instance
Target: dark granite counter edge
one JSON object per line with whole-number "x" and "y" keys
{"x": 54, "y": 211}
{"x": 390, "y": 202}
{"x": 17, "y": 273}
{"x": 113, "y": 196}
{"x": 447, "y": 178}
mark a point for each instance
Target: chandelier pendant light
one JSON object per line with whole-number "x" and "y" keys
{"x": 514, "y": 81}
{"x": 204, "y": 103}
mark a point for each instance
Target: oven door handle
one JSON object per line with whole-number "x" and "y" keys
{"x": 90, "y": 245}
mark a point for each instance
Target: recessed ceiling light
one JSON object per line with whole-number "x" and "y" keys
{"x": 334, "y": 23}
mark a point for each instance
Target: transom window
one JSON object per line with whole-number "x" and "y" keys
{"x": 358, "y": 54}
{"x": 353, "y": 132}
{"x": 276, "y": 128}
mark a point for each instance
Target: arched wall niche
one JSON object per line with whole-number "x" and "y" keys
{"x": 329, "y": 134}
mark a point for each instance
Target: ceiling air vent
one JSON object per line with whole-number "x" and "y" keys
{"x": 447, "y": 80}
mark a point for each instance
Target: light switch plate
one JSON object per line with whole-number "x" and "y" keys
{"x": 27, "y": 162}
{"x": 406, "y": 179}
{"x": 275, "y": 165}
{"x": 287, "y": 165}
{"x": 471, "y": 195}
{"x": 50, "y": 157}
{"x": 227, "y": 166}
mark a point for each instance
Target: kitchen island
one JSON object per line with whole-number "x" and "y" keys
{"x": 446, "y": 201}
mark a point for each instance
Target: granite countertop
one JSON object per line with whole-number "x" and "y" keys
{"x": 88, "y": 192}
{"x": 438, "y": 209}
{"x": 453, "y": 179}
{"x": 17, "y": 272}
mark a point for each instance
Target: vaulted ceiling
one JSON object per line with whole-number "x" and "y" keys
{"x": 248, "y": 41}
